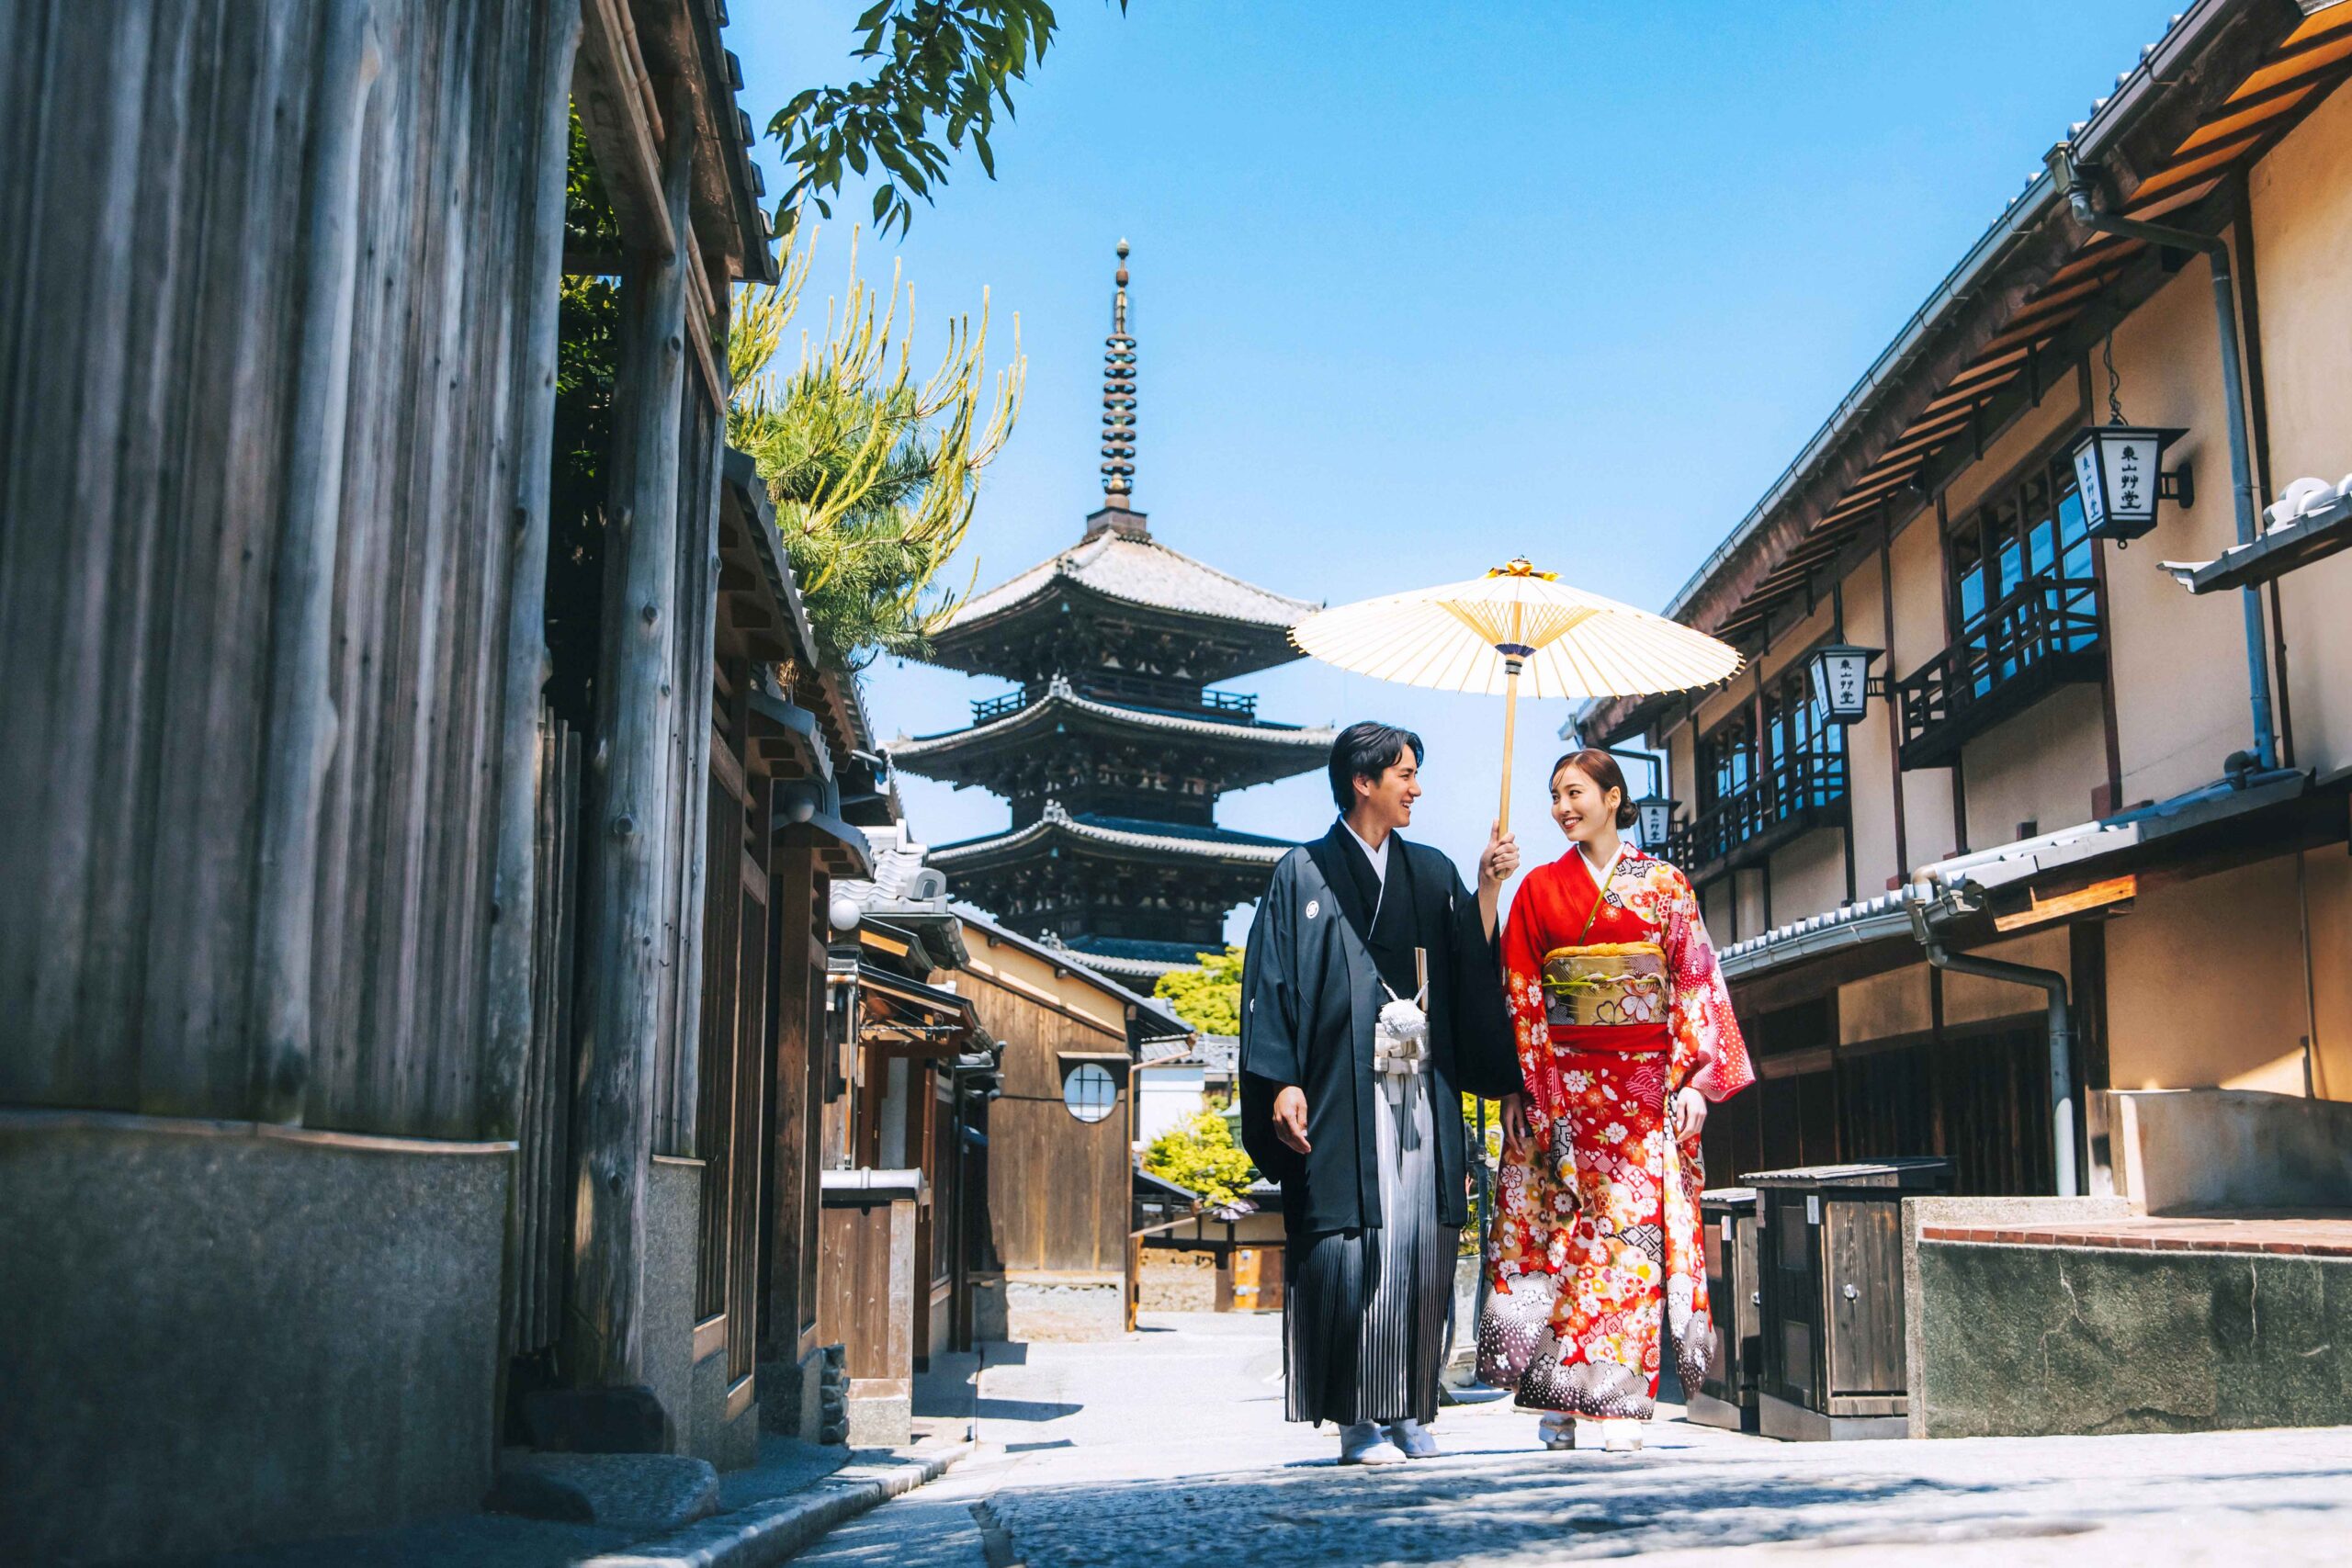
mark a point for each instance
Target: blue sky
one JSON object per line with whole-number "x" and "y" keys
{"x": 1419, "y": 288}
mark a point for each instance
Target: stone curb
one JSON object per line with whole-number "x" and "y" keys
{"x": 770, "y": 1532}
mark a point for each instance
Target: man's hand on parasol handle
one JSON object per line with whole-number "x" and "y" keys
{"x": 1500, "y": 858}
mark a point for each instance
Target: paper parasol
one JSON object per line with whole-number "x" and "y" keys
{"x": 1515, "y": 623}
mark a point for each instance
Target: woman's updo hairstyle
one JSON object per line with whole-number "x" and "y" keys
{"x": 1603, "y": 769}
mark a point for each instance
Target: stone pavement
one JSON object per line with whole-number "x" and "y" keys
{"x": 1169, "y": 1447}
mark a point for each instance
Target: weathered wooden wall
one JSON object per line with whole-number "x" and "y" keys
{"x": 168, "y": 255}
{"x": 1060, "y": 1190}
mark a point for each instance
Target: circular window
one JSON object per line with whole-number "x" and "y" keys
{"x": 1090, "y": 1092}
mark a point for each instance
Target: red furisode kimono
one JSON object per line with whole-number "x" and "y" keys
{"x": 1617, "y": 1004}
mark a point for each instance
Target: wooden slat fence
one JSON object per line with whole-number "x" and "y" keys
{"x": 543, "y": 1162}
{"x": 161, "y": 278}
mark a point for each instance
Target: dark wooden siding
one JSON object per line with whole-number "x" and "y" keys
{"x": 153, "y": 273}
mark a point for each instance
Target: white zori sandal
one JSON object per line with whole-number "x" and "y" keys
{"x": 1557, "y": 1431}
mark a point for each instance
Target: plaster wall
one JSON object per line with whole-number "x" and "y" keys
{"x": 1027, "y": 975}
{"x": 2059, "y": 410}
{"x": 1752, "y": 906}
{"x": 2329, "y": 890}
{"x": 1973, "y": 998}
{"x": 2182, "y": 1150}
{"x": 2300, "y": 194}
{"x": 1715, "y": 907}
{"x": 215, "y": 1334}
{"x": 2205, "y": 984}
{"x": 1164, "y": 1096}
{"x": 2181, "y": 674}
{"x": 2039, "y": 766}
{"x": 1920, "y": 635}
{"x": 1870, "y": 789}
{"x": 1809, "y": 875}
{"x": 1884, "y": 1006}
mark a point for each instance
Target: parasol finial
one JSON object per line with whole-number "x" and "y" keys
{"x": 1119, "y": 395}
{"x": 1520, "y": 566}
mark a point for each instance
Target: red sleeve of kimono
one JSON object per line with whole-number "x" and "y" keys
{"x": 1523, "y": 950}
{"x": 1709, "y": 1054}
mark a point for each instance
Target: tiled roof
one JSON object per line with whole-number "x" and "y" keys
{"x": 1080, "y": 964}
{"x": 1059, "y": 699}
{"x": 1125, "y": 833}
{"x": 1139, "y": 572}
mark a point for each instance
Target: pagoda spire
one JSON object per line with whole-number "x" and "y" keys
{"x": 1119, "y": 397}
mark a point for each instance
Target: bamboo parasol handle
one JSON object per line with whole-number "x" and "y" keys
{"x": 1511, "y": 731}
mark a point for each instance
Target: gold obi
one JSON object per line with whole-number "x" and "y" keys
{"x": 1605, "y": 983}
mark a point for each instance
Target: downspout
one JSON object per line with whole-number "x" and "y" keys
{"x": 2073, "y": 182}
{"x": 2061, "y": 1026}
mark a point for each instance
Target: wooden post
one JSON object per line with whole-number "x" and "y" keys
{"x": 508, "y": 1027}
{"x": 300, "y": 712}
{"x": 630, "y": 789}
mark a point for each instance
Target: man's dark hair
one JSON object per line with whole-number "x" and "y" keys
{"x": 1366, "y": 750}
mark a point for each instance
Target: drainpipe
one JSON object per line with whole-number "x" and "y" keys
{"x": 2062, "y": 1030}
{"x": 2073, "y": 183}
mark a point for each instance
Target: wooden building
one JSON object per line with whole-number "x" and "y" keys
{"x": 1060, "y": 1149}
{"x": 2111, "y": 779}
{"x": 407, "y": 1048}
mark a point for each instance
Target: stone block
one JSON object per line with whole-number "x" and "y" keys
{"x": 2020, "y": 1340}
{"x": 598, "y": 1421}
{"x": 791, "y": 1397}
{"x": 639, "y": 1492}
{"x": 879, "y": 1421}
{"x": 215, "y": 1334}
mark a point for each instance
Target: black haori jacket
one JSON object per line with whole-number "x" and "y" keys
{"x": 1310, "y": 995}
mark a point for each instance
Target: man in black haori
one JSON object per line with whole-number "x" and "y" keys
{"x": 1371, "y": 1001}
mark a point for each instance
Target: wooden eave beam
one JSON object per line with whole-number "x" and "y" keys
{"x": 623, "y": 123}
{"x": 2189, "y": 91}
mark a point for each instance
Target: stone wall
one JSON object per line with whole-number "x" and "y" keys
{"x": 2020, "y": 1340}
{"x": 214, "y": 1334}
{"x": 1177, "y": 1282}
{"x": 1065, "y": 1306}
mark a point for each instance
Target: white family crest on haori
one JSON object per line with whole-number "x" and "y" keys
{"x": 1313, "y": 907}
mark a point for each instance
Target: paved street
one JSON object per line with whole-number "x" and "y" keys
{"x": 1170, "y": 1448}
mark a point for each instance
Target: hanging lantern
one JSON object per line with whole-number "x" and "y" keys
{"x": 1840, "y": 677}
{"x": 1656, "y": 814}
{"x": 2118, "y": 468}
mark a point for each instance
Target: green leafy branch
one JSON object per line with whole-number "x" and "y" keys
{"x": 946, "y": 67}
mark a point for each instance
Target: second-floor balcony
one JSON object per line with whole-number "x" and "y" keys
{"x": 1802, "y": 791}
{"x": 2042, "y": 634}
{"x": 1131, "y": 691}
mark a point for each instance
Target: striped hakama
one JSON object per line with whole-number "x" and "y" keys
{"x": 1366, "y": 1325}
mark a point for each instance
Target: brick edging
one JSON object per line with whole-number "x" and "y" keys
{"x": 2131, "y": 1241}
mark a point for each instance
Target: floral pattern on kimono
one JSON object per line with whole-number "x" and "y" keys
{"x": 1595, "y": 1237}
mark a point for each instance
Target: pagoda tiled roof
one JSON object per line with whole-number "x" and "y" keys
{"x": 1061, "y": 700}
{"x": 1219, "y": 845}
{"x": 1137, "y": 569}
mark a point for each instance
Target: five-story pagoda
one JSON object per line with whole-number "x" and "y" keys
{"x": 1113, "y": 751}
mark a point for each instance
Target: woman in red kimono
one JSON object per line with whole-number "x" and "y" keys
{"x": 1626, "y": 1036}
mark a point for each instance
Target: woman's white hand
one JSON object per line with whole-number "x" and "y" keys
{"x": 1514, "y": 1123}
{"x": 1689, "y": 1114}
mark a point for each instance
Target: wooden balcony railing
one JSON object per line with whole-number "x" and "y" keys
{"x": 1805, "y": 790}
{"x": 2045, "y": 635}
{"x": 1133, "y": 691}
